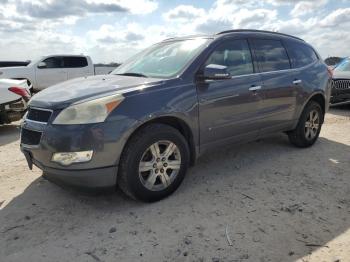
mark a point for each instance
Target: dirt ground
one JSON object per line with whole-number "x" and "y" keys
{"x": 273, "y": 201}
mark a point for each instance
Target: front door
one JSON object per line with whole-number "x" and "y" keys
{"x": 53, "y": 73}
{"x": 229, "y": 109}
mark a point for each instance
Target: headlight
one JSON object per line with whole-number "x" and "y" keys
{"x": 93, "y": 111}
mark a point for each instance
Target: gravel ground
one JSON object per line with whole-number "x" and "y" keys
{"x": 273, "y": 201}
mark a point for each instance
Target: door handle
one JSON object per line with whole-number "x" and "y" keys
{"x": 297, "y": 81}
{"x": 254, "y": 88}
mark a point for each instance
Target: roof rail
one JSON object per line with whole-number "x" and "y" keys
{"x": 168, "y": 39}
{"x": 257, "y": 31}
{"x": 187, "y": 37}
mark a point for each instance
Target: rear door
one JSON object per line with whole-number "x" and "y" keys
{"x": 52, "y": 73}
{"x": 76, "y": 66}
{"x": 228, "y": 109}
{"x": 279, "y": 88}
{"x": 306, "y": 69}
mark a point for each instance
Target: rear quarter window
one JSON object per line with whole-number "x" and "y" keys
{"x": 300, "y": 54}
{"x": 271, "y": 55}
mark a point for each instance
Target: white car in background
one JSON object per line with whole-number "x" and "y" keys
{"x": 14, "y": 96}
{"x": 49, "y": 70}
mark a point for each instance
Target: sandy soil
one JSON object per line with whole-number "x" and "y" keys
{"x": 274, "y": 202}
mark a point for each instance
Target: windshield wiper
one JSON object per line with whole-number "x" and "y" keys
{"x": 132, "y": 74}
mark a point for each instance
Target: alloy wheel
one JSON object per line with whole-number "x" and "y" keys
{"x": 312, "y": 125}
{"x": 159, "y": 165}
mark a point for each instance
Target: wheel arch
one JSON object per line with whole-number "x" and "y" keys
{"x": 318, "y": 97}
{"x": 176, "y": 122}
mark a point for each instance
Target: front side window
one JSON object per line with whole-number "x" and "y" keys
{"x": 301, "y": 54}
{"x": 75, "y": 62}
{"x": 271, "y": 54}
{"x": 344, "y": 66}
{"x": 235, "y": 55}
{"x": 53, "y": 62}
{"x": 164, "y": 60}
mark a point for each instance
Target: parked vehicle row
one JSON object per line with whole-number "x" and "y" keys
{"x": 14, "y": 96}
{"x": 141, "y": 126}
{"x": 50, "y": 70}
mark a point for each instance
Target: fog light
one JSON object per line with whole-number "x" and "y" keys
{"x": 68, "y": 158}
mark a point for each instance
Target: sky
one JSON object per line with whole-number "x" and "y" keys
{"x": 113, "y": 30}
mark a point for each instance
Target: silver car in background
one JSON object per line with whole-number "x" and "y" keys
{"x": 341, "y": 83}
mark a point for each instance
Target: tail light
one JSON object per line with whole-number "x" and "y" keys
{"x": 21, "y": 92}
{"x": 330, "y": 71}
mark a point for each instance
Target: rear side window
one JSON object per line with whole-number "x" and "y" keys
{"x": 300, "y": 54}
{"x": 235, "y": 55}
{"x": 271, "y": 55}
{"x": 53, "y": 62}
{"x": 75, "y": 62}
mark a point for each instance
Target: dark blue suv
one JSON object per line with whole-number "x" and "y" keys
{"x": 141, "y": 126}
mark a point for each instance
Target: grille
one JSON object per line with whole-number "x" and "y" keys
{"x": 341, "y": 84}
{"x": 30, "y": 137}
{"x": 39, "y": 115}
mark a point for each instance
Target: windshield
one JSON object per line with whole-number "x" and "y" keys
{"x": 343, "y": 66}
{"x": 37, "y": 60}
{"x": 163, "y": 60}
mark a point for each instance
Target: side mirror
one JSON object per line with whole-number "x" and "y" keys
{"x": 216, "y": 72}
{"x": 42, "y": 65}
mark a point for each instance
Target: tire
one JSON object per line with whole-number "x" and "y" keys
{"x": 31, "y": 88}
{"x": 136, "y": 177}
{"x": 300, "y": 136}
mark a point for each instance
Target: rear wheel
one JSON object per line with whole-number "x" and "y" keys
{"x": 154, "y": 163}
{"x": 309, "y": 126}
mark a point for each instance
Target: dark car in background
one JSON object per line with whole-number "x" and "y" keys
{"x": 341, "y": 83}
{"x": 13, "y": 63}
{"x": 143, "y": 125}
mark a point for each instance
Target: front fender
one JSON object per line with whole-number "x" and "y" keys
{"x": 174, "y": 99}
{"x": 187, "y": 124}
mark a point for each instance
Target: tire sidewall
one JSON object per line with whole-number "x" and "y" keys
{"x": 133, "y": 159}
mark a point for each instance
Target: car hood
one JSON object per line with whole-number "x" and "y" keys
{"x": 341, "y": 74}
{"x": 13, "y": 72}
{"x": 66, "y": 93}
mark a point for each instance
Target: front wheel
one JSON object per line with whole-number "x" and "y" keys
{"x": 154, "y": 163}
{"x": 309, "y": 126}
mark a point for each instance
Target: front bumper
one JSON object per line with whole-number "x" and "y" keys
{"x": 12, "y": 111}
{"x": 105, "y": 139}
{"x": 340, "y": 92}
{"x": 98, "y": 178}
{"x": 18, "y": 105}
